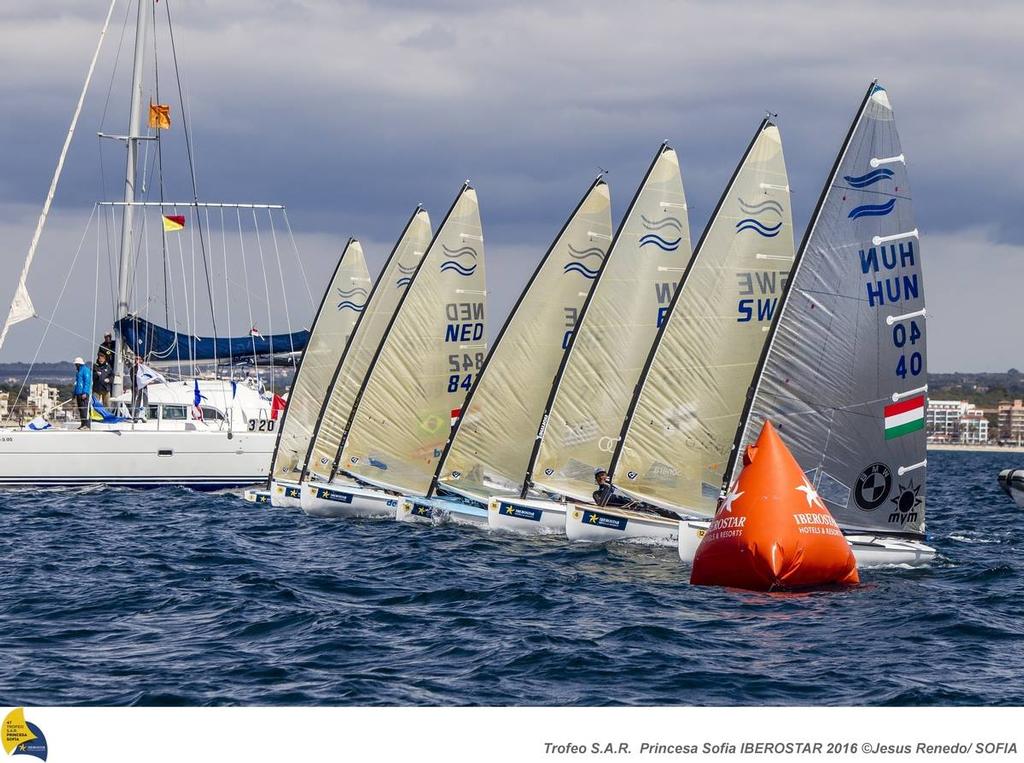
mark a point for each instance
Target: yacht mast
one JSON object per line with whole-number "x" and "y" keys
{"x": 132, "y": 141}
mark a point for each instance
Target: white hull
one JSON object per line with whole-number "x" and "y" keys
{"x": 595, "y": 524}
{"x": 440, "y": 510}
{"x": 870, "y": 550}
{"x": 1012, "y": 483}
{"x": 285, "y": 494}
{"x": 327, "y": 499}
{"x": 257, "y": 496}
{"x": 526, "y": 516}
{"x": 118, "y": 455}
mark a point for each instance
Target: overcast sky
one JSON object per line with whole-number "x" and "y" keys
{"x": 351, "y": 113}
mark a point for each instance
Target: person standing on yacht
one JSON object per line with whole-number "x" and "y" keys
{"x": 82, "y": 391}
{"x": 102, "y": 376}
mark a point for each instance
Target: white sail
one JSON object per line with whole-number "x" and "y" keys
{"x": 844, "y": 375}
{"x": 491, "y": 446}
{"x": 617, "y": 326}
{"x": 678, "y": 435}
{"x": 342, "y": 304}
{"x": 385, "y": 296}
{"x": 426, "y": 363}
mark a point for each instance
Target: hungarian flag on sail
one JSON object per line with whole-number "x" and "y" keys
{"x": 159, "y": 116}
{"x": 904, "y": 417}
{"x": 174, "y": 223}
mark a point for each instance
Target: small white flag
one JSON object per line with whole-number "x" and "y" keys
{"x": 145, "y": 375}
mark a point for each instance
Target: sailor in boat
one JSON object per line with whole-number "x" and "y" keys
{"x": 102, "y": 378}
{"x": 82, "y": 391}
{"x": 107, "y": 348}
{"x": 605, "y": 494}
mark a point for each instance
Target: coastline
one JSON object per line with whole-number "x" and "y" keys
{"x": 977, "y": 448}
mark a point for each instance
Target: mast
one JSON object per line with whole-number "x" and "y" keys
{"x": 127, "y": 216}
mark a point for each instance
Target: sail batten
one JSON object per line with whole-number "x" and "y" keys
{"x": 350, "y": 372}
{"x": 836, "y": 375}
{"x": 679, "y": 429}
{"x": 491, "y": 444}
{"x": 427, "y": 361}
{"x": 343, "y": 302}
{"x": 617, "y": 325}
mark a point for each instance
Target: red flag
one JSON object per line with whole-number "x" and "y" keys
{"x": 276, "y": 406}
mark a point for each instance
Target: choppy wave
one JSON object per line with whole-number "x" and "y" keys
{"x": 758, "y": 227}
{"x": 464, "y": 251}
{"x": 403, "y": 282}
{"x": 664, "y": 222}
{"x": 768, "y": 205}
{"x": 347, "y": 304}
{"x": 872, "y": 210}
{"x": 354, "y": 291}
{"x": 462, "y": 270}
{"x": 653, "y": 239}
{"x": 582, "y": 254}
{"x": 168, "y": 597}
{"x": 583, "y": 270}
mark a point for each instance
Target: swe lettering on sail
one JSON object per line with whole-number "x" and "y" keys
{"x": 759, "y": 292}
{"x": 664, "y": 292}
{"x": 895, "y": 288}
{"x": 465, "y": 321}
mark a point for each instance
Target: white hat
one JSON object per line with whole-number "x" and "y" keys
{"x": 79, "y": 361}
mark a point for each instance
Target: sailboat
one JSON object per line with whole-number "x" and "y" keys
{"x": 492, "y": 440}
{"x": 587, "y": 401}
{"x": 195, "y": 431}
{"x": 418, "y": 377}
{"x": 335, "y": 415}
{"x": 843, "y": 375}
{"x": 340, "y": 308}
{"x": 679, "y": 427}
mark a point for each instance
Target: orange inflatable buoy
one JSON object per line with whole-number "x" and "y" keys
{"x": 772, "y": 531}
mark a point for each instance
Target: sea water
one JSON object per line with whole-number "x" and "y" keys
{"x": 169, "y": 597}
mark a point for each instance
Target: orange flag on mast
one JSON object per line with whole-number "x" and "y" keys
{"x": 159, "y": 116}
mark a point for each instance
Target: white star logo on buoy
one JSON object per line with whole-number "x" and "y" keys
{"x": 732, "y": 496}
{"x": 812, "y": 494}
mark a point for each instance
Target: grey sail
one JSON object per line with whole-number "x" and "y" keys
{"x": 844, "y": 374}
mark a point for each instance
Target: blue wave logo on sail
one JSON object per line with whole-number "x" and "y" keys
{"x": 749, "y": 223}
{"x": 664, "y": 222}
{"x": 873, "y": 210}
{"x": 768, "y": 205}
{"x": 348, "y": 296}
{"x": 580, "y": 266}
{"x": 653, "y": 239}
{"x": 403, "y": 281}
{"x": 452, "y": 264}
{"x": 462, "y": 270}
{"x": 875, "y": 176}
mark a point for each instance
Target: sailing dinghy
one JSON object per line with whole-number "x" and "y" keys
{"x": 843, "y": 375}
{"x": 492, "y": 440}
{"x": 335, "y": 414}
{"x": 340, "y": 308}
{"x": 679, "y": 428}
{"x": 418, "y": 378}
{"x": 587, "y": 401}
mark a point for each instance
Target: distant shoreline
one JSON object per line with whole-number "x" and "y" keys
{"x": 977, "y": 448}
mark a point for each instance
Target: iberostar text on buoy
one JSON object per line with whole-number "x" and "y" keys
{"x": 772, "y": 531}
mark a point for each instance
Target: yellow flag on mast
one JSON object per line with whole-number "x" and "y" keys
{"x": 159, "y": 116}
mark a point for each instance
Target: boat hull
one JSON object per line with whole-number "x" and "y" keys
{"x": 526, "y": 516}
{"x": 327, "y": 499}
{"x": 595, "y": 524}
{"x": 257, "y": 496}
{"x": 143, "y": 458}
{"x": 440, "y": 510}
{"x": 870, "y": 550}
{"x": 1012, "y": 483}
{"x": 285, "y": 494}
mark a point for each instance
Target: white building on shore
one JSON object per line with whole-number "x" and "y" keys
{"x": 956, "y": 421}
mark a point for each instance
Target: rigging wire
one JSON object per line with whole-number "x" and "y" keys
{"x": 266, "y": 287}
{"x": 245, "y": 271}
{"x": 280, "y": 271}
{"x": 227, "y": 295}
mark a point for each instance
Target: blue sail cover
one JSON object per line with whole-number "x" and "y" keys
{"x": 157, "y": 343}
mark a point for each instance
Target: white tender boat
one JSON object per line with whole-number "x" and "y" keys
{"x": 1012, "y": 483}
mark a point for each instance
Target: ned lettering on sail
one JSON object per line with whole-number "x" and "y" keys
{"x": 466, "y": 321}
{"x": 889, "y": 257}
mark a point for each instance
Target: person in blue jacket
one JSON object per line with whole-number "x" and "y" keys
{"x": 83, "y": 389}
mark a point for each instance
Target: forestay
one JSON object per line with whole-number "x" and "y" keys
{"x": 385, "y": 296}
{"x": 493, "y": 440}
{"x": 342, "y": 304}
{"x": 426, "y": 363}
{"x": 844, "y": 376}
{"x": 617, "y": 326}
{"x": 677, "y": 437}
